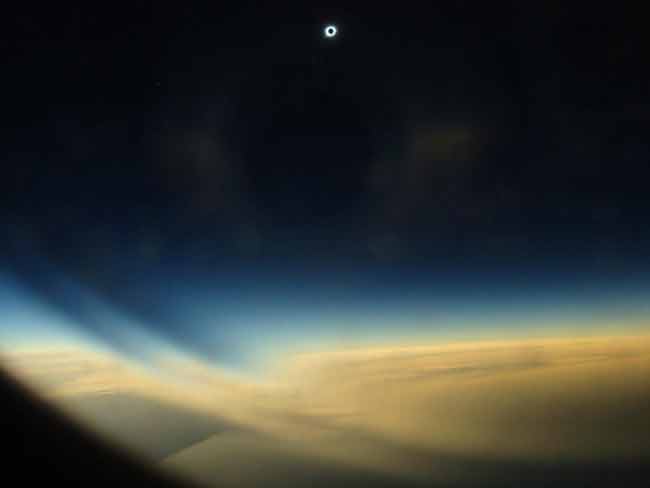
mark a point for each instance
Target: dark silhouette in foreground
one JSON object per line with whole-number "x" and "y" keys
{"x": 44, "y": 448}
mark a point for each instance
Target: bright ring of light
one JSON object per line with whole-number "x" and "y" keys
{"x": 330, "y": 31}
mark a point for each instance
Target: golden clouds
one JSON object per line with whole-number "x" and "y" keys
{"x": 509, "y": 399}
{"x": 414, "y": 413}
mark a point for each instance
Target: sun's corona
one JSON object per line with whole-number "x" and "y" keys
{"x": 330, "y": 31}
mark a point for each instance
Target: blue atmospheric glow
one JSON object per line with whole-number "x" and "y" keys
{"x": 27, "y": 319}
{"x": 236, "y": 317}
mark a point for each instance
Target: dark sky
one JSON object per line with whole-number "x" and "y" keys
{"x": 178, "y": 141}
{"x": 456, "y": 126}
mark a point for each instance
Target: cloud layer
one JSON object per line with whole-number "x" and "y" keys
{"x": 439, "y": 413}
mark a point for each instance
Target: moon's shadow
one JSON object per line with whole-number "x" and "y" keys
{"x": 308, "y": 130}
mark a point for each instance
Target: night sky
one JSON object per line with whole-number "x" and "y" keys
{"x": 230, "y": 181}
